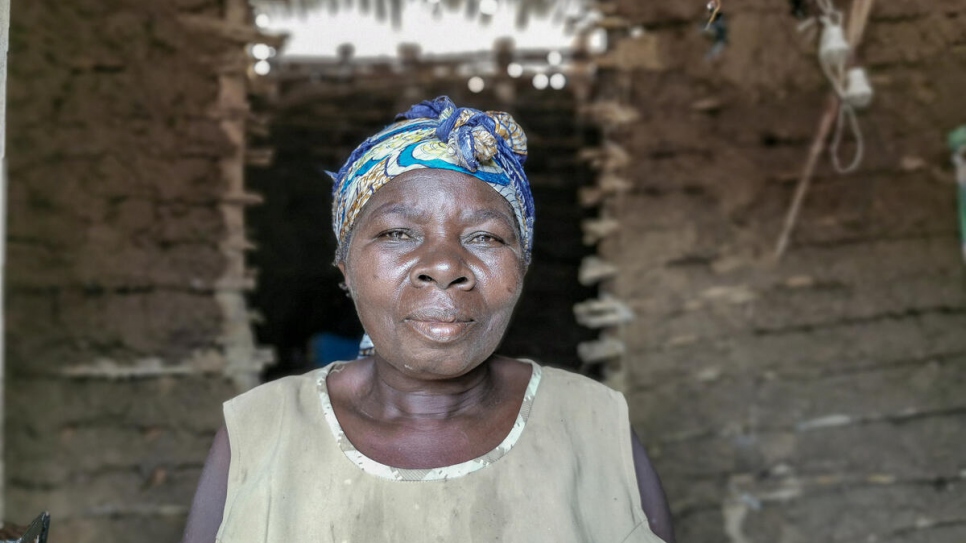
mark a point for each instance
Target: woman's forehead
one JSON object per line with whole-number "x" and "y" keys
{"x": 438, "y": 192}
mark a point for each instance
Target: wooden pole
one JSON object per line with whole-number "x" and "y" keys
{"x": 818, "y": 145}
{"x": 855, "y": 29}
{"x": 858, "y": 19}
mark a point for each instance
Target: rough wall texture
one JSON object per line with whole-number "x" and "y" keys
{"x": 120, "y": 194}
{"x": 820, "y": 398}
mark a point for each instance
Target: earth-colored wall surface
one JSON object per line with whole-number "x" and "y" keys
{"x": 116, "y": 280}
{"x": 822, "y": 397}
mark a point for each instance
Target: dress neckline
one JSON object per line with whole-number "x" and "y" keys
{"x": 384, "y": 471}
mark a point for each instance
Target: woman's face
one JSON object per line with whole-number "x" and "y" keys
{"x": 435, "y": 267}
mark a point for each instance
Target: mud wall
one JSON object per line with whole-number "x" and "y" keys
{"x": 126, "y": 323}
{"x": 819, "y": 398}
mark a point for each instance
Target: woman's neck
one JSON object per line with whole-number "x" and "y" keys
{"x": 401, "y": 420}
{"x": 394, "y": 395}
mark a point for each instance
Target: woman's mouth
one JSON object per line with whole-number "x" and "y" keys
{"x": 439, "y": 325}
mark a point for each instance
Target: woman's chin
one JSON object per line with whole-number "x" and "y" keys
{"x": 437, "y": 350}
{"x": 441, "y": 361}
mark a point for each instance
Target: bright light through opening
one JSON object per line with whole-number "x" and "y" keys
{"x": 597, "y": 42}
{"x": 558, "y": 81}
{"x": 514, "y": 70}
{"x": 433, "y": 24}
{"x": 489, "y": 7}
{"x": 476, "y": 84}
{"x": 262, "y": 67}
{"x": 540, "y": 81}
{"x": 554, "y": 58}
{"x": 262, "y": 20}
{"x": 261, "y": 51}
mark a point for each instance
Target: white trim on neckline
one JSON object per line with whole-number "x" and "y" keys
{"x": 378, "y": 469}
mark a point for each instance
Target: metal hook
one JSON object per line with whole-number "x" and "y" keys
{"x": 714, "y": 6}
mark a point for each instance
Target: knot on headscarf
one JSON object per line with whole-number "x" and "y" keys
{"x": 475, "y": 136}
{"x": 489, "y": 145}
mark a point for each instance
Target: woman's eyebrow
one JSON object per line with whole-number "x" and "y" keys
{"x": 395, "y": 208}
{"x": 468, "y": 216}
{"x": 477, "y": 216}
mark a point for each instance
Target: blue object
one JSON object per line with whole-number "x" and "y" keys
{"x": 326, "y": 348}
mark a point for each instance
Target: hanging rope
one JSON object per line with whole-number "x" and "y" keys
{"x": 833, "y": 56}
{"x": 847, "y": 112}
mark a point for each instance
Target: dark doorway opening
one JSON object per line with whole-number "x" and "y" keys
{"x": 319, "y": 112}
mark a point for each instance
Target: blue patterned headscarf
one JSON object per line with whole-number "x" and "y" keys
{"x": 489, "y": 146}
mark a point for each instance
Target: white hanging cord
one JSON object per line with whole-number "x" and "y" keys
{"x": 826, "y": 6}
{"x": 833, "y": 53}
{"x": 847, "y": 112}
{"x": 833, "y": 56}
{"x": 857, "y": 94}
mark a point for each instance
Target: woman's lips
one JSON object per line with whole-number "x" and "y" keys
{"x": 439, "y": 325}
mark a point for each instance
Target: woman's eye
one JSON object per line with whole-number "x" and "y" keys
{"x": 486, "y": 239}
{"x": 396, "y": 235}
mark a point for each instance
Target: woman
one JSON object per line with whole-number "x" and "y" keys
{"x": 432, "y": 437}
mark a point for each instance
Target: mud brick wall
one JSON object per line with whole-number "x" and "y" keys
{"x": 822, "y": 397}
{"x": 123, "y": 263}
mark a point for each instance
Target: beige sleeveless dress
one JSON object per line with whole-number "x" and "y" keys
{"x": 564, "y": 474}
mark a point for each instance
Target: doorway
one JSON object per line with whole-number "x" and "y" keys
{"x": 319, "y": 109}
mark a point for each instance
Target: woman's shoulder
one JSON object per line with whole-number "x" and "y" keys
{"x": 257, "y": 417}
{"x": 277, "y": 387}
{"x": 579, "y": 399}
{"x": 278, "y": 395}
{"x": 573, "y": 384}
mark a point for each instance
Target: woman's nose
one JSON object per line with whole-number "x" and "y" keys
{"x": 442, "y": 265}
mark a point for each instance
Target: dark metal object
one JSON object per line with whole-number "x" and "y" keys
{"x": 799, "y": 9}
{"x": 717, "y": 32}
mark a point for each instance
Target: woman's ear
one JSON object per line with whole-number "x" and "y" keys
{"x": 344, "y": 284}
